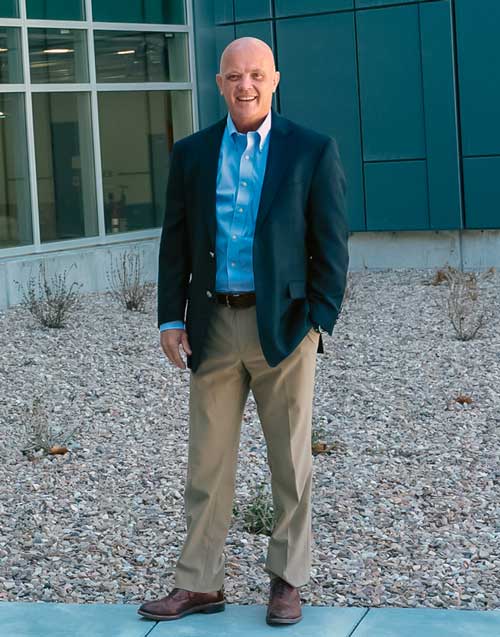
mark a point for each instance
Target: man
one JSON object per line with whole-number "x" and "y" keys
{"x": 255, "y": 215}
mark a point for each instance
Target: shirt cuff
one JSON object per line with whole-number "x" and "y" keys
{"x": 172, "y": 325}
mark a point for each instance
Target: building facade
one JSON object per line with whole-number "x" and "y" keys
{"x": 93, "y": 94}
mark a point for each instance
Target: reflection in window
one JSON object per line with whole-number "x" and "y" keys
{"x": 137, "y": 131}
{"x": 146, "y": 11}
{"x": 58, "y": 55}
{"x": 10, "y": 56}
{"x": 8, "y": 9}
{"x": 55, "y": 9}
{"x": 64, "y": 165}
{"x": 141, "y": 57}
{"x": 15, "y": 206}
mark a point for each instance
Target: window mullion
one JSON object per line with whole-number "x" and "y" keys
{"x": 30, "y": 129}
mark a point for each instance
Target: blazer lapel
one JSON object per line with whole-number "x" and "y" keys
{"x": 277, "y": 160}
{"x": 208, "y": 178}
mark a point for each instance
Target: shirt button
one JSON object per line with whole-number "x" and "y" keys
{"x": 233, "y": 263}
{"x": 240, "y": 209}
{"x": 243, "y": 183}
{"x": 247, "y": 156}
{"x": 234, "y": 236}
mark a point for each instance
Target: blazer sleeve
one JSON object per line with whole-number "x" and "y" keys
{"x": 327, "y": 238}
{"x": 173, "y": 258}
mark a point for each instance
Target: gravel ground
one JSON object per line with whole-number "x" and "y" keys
{"x": 406, "y": 505}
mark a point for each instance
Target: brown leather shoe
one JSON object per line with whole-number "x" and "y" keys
{"x": 284, "y": 603}
{"x": 180, "y": 602}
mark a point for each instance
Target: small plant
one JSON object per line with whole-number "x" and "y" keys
{"x": 258, "y": 516}
{"x": 464, "y": 308}
{"x": 52, "y": 300}
{"x": 40, "y": 435}
{"x": 126, "y": 283}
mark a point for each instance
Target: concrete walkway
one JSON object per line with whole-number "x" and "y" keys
{"x": 29, "y": 619}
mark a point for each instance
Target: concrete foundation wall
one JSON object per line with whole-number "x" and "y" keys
{"x": 467, "y": 249}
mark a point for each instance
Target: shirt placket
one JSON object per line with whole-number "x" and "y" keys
{"x": 242, "y": 209}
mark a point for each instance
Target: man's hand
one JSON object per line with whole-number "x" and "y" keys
{"x": 170, "y": 341}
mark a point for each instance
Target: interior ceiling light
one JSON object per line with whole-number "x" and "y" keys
{"x": 129, "y": 52}
{"x": 58, "y": 50}
{"x": 3, "y": 50}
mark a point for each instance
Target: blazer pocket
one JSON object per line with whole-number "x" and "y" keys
{"x": 297, "y": 289}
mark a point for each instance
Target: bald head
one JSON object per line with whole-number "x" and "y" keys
{"x": 247, "y": 80}
{"x": 247, "y": 46}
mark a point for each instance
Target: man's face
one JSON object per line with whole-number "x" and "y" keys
{"x": 248, "y": 80}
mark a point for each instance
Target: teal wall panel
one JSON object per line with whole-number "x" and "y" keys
{"x": 411, "y": 91}
{"x": 362, "y": 4}
{"x": 299, "y": 7}
{"x": 224, "y": 11}
{"x": 396, "y": 196}
{"x": 482, "y": 192}
{"x": 252, "y": 9}
{"x": 441, "y": 137}
{"x": 318, "y": 88}
{"x": 223, "y": 36}
{"x": 391, "y": 84}
{"x": 262, "y": 30}
{"x": 478, "y": 39}
{"x": 8, "y": 9}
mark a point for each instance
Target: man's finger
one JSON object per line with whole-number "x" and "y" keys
{"x": 185, "y": 344}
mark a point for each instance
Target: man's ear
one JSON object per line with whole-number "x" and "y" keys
{"x": 276, "y": 80}
{"x": 218, "y": 79}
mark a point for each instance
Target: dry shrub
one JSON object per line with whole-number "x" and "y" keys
{"x": 126, "y": 283}
{"x": 51, "y": 301}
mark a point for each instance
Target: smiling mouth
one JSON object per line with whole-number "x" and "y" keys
{"x": 246, "y": 99}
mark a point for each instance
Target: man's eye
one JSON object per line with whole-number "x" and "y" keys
{"x": 232, "y": 78}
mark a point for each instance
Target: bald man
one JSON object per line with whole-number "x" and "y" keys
{"x": 254, "y": 243}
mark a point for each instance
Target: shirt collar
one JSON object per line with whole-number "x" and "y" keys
{"x": 263, "y": 130}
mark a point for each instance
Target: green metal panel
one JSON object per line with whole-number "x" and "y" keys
{"x": 482, "y": 192}
{"x": 8, "y": 9}
{"x": 478, "y": 28}
{"x": 440, "y": 116}
{"x": 299, "y": 7}
{"x": 396, "y": 196}
{"x": 318, "y": 88}
{"x": 148, "y": 11}
{"x": 261, "y": 30}
{"x": 361, "y": 4}
{"x": 252, "y": 9}
{"x": 223, "y": 36}
{"x": 224, "y": 11}
{"x": 55, "y": 9}
{"x": 391, "y": 83}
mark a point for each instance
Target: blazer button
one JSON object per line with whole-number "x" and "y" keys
{"x": 212, "y": 254}
{"x": 209, "y": 294}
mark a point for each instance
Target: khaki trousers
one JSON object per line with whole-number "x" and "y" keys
{"x": 233, "y": 364}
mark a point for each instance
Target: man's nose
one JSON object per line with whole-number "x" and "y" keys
{"x": 246, "y": 82}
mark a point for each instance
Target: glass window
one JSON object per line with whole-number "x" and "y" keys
{"x": 146, "y": 11}
{"x": 137, "y": 131}
{"x": 55, "y": 9}
{"x": 64, "y": 165}
{"x": 8, "y": 9}
{"x": 15, "y": 203}
{"x": 141, "y": 57}
{"x": 58, "y": 55}
{"x": 11, "y": 71}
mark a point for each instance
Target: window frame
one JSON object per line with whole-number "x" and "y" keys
{"x": 93, "y": 88}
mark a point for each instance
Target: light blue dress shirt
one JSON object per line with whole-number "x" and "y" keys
{"x": 240, "y": 174}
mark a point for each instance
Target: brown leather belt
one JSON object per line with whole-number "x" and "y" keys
{"x": 240, "y": 299}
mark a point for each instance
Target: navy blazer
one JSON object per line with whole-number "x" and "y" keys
{"x": 300, "y": 248}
